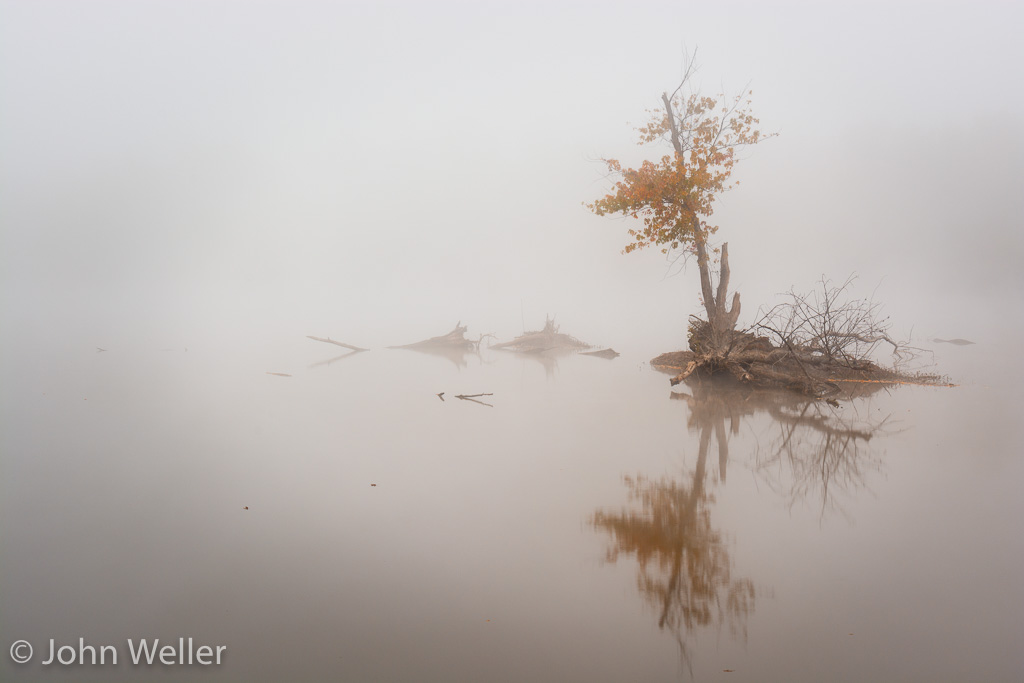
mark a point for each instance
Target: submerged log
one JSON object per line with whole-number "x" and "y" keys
{"x": 542, "y": 340}
{"x": 456, "y": 339}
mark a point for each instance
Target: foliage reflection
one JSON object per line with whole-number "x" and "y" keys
{"x": 684, "y": 567}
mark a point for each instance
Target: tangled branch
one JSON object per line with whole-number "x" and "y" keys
{"x": 828, "y": 324}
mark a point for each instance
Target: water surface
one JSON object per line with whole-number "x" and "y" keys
{"x": 589, "y": 524}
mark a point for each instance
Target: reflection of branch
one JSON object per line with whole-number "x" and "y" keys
{"x": 336, "y": 358}
{"x": 819, "y": 422}
{"x": 456, "y": 354}
{"x": 823, "y": 451}
{"x": 473, "y": 397}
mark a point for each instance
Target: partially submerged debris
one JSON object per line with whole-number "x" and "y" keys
{"x": 456, "y": 339}
{"x": 542, "y": 340}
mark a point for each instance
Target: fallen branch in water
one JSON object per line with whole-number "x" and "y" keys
{"x": 687, "y": 371}
{"x": 456, "y": 339}
{"x": 328, "y": 340}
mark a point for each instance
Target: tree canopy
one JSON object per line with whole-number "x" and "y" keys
{"x": 674, "y": 196}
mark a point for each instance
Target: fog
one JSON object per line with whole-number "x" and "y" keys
{"x": 378, "y": 171}
{"x": 194, "y": 187}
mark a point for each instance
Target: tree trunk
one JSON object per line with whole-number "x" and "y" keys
{"x": 722, "y": 320}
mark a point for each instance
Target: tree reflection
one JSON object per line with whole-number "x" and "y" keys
{"x": 813, "y": 450}
{"x": 684, "y": 566}
{"x": 816, "y": 455}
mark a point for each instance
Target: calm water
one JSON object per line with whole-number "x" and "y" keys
{"x": 587, "y": 525}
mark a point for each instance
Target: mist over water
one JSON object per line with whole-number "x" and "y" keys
{"x": 194, "y": 189}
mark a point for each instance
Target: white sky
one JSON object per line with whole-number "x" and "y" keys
{"x": 377, "y": 171}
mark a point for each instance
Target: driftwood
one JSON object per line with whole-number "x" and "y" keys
{"x": 328, "y": 340}
{"x": 456, "y": 339}
{"x": 542, "y": 340}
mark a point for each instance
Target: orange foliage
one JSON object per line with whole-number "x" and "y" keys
{"x": 675, "y": 195}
